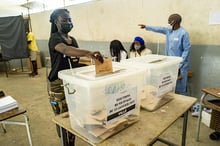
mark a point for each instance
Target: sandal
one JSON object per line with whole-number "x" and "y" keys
{"x": 214, "y": 136}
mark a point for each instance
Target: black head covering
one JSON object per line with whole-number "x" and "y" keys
{"x": 56, "y": 13}
{"x": 115, "y": 49}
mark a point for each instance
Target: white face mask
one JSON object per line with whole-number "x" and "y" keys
{"x": 137, "y": 47}
{"x": 114, "y": 58}
{"x": 169, "y": 26}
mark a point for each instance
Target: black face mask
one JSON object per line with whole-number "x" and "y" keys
{"x": 66, "y": 27}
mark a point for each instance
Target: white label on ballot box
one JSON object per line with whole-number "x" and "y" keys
{"x": 121, "y": 104}
{"x": 165, "y": 84}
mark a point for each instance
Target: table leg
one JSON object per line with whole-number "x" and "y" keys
{"x": 26, "y": 124}
{"x": 3, "y": 127}
{"x": 184, "y": 128}
{"x": 28, "y": 129}
{"x": 6, "y": 68}
{"x": 200, "y": 115}
{"x": 61, "y": 136}
{"x": 22, "y": 68}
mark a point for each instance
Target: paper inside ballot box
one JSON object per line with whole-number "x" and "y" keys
{"x": 150, "y": 101}
{"x": 103, "y": 68}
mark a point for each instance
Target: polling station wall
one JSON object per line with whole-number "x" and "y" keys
{"x": 98, "y": 22}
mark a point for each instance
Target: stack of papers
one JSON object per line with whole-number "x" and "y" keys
{"x": 7, "y": 103}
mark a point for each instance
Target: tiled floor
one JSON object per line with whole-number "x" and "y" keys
{"x": 32, "y": 94}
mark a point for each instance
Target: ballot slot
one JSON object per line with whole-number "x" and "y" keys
{"x": 90, "y": 73}
{"x": 152, "y": 59}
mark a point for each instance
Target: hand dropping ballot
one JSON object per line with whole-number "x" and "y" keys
{"x": 103, "y": 68}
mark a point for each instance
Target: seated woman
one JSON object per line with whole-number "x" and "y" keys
{"x": 138, "y": 48}
{"x": 117, "y": 51}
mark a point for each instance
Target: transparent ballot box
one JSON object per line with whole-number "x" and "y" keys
{"x": 102, "y": 105}
{"x": 160, "y": 78}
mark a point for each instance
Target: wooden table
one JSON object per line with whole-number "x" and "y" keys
{"x": 5, "y": 118}
{"x": 148, "y": 129}
{"x": 204, "y": 103}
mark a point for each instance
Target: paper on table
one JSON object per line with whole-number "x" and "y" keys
{"x": 7, "y": 103}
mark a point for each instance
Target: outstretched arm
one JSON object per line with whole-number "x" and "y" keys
{"x": 157, "y": 29}
{"x": 72, "y": 51}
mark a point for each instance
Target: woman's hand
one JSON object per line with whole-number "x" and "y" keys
{"x": 96, "y": 56}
